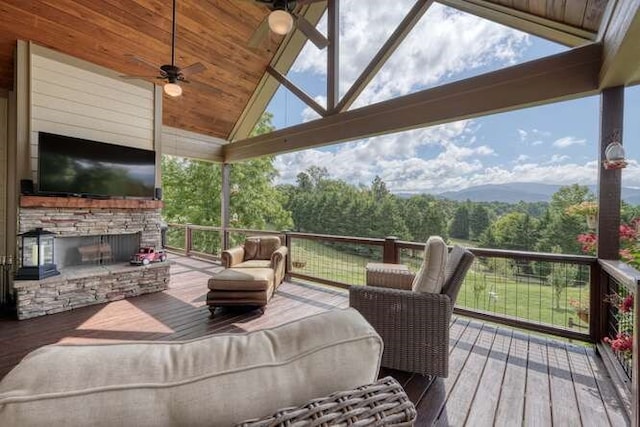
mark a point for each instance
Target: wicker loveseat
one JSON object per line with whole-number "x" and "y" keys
{"x": 413, "y": 325}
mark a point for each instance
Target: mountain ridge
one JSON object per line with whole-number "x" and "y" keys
{"x": 520, "y": 191}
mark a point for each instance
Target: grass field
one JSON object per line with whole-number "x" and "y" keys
{"x": 489, "y": 286}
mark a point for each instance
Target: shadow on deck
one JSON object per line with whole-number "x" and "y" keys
{"x": 498, "y": 376}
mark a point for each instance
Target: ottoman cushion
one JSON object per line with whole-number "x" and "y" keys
{"x": 242, "y": 298}
{"x": 242, "y": 279}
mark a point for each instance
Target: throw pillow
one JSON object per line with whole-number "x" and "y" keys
{"x": 251, "y": 247}
{"x": 430, "y": 277}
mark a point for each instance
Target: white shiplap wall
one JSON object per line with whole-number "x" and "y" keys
{"x": 178, "y": 142}
{"x": 68, "y": 99}
{"x": 3, "y": 175}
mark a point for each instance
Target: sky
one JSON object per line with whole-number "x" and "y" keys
{"x": 554, "y": 144}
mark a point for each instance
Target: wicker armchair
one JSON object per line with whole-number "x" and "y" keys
{"x": 414, "y": 326}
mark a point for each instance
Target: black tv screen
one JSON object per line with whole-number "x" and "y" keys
{"x": 77, "y": 166}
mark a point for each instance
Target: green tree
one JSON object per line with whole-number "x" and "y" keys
{"x": 459, "y": 227}
{"x": 478, "y": 221}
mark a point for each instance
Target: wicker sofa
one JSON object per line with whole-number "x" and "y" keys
{"x": 413, "y": 325}
{"x": 219, "y": 380}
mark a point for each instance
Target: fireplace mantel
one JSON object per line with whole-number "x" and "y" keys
{"x": 81, "y": 202}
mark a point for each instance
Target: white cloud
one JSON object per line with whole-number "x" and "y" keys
{"x": 443, "y": 45}
{"x": 568, "y": 141}
{"x": 521, "y": 158}
{"x": 557, "y": 158}
{"x": 523, "y": 135}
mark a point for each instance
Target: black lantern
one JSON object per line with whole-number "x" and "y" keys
{"x": 37, "y": 255}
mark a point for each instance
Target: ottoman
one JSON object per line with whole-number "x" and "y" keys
{"x": 240, "y": 287}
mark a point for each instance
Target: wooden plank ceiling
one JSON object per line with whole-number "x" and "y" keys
{"x": 214, "y": 32}
{"x": 583, "y": 14}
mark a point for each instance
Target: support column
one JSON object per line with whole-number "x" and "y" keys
{"x": 224, "y": 199}
{"x": 609, "y": 181}
{"x": 333, "y": 54}
{"x": 609, "y": 195}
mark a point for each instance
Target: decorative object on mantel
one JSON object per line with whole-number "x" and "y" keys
{"x": 614, "y": 153}
{"x": 37, "y": 255}
{"x": 147, "y": 255}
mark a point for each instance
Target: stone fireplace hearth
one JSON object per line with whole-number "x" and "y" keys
{"x": 95, "y": 239}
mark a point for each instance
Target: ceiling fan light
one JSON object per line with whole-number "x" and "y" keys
{"x": 280, "y": 22}
{"x": 172, "y": 89}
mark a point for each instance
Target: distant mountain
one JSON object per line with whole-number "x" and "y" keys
{"x": 525, "y": 191}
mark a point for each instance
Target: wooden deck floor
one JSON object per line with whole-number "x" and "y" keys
{"x": 498, "y": 376}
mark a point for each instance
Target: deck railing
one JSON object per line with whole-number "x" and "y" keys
{"x": 571, "y": 296}
{"x": 619, "y": 328}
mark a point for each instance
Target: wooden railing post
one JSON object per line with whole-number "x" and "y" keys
{"x": 187, "y": 239}
{"x": 390, "y": 252}
{"x": 598, "y": 285}
{"x": 287, "y": 243}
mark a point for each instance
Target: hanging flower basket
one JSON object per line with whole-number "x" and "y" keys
{"x": 298, "y": 264}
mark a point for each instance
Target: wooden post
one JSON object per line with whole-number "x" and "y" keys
{"x": 224, "y": 200}
{"x": 390, "y": 252}
{"x": 609, "y": 185}
{"x": 333, "y": 54}
{"x": 187, "y": 239}
{"x": 287, "y": 243}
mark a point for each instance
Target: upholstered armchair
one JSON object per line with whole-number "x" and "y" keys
{"x": 414, "y": 325}
{"x": 258, "y": 252}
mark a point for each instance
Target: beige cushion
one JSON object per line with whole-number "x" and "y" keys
{"x": 254, "y": 263}
{"x": 430, "y": 277}
{"x": 242, "y": 279}
{"x": 218, "y": 380}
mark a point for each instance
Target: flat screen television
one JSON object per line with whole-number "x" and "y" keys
{"x": 74, "y": 166}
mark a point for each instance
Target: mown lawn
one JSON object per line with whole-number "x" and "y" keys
{"x": 490, "y": 287}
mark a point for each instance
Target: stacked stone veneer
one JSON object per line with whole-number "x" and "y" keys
{"x": 93, "y": 285}
{"x": 86, "y": 285}
{"x": 94, "y": 221}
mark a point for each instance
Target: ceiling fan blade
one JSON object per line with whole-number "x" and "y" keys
{"x": 315, "y": 36}
{"x": 260, "y": 34}
{"x": 196, "y": 68}
{"x": 138, "y": 60}
{"x": 141, "y": 77}
{"x": 201, "y": 87}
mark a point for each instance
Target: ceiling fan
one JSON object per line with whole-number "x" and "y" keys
{"x": 282, "y": 19}
{"x": 170, "y": 73}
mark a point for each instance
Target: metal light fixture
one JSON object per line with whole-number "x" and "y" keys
{"x": 280, "y": 20}
{"x": 172, "y": 89}
{"x": 37, "y": 255}
{"x": 614, "y": 153}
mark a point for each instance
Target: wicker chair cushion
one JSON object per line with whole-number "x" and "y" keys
{"x": 431, "y": 275}
{"x": 216, "y": 380}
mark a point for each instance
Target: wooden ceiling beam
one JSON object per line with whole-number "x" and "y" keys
{"x": 621, "y": 40}
{"x": 282, "y": 60}
{"x": 562, "y": 76}
{"x": 302, "y": 95}
{"x": 333, "y": 54}
{"x": 381, "y": 57}
{"x": 523, "y": 21}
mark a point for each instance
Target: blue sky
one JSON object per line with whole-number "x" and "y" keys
{"x": 555, "y": 144}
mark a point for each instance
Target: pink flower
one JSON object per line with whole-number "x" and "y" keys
{"x": 627, "y": 304}
{"x": 622, "y": 342}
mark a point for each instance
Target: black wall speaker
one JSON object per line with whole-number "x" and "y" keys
{"x": 158, "y": 193}
{"x": 26, "y": 186}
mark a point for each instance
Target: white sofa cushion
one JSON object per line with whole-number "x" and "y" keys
{"x": 214, "y": 381}
{"x": 430, "y": 277}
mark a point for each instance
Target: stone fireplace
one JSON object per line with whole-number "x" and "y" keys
{"x": 94, "y": 240}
